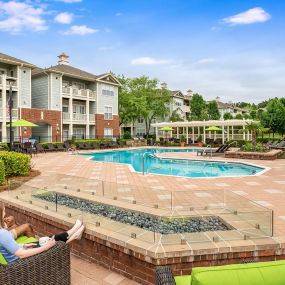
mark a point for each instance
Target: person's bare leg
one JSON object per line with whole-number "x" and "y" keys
{"x": 76, "y": 226}
{"x": 24, "y": 229}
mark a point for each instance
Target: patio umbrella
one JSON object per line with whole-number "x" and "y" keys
{"x": 23, "y": 123}
{"x": 166, "y": 129}
{"x": 213, "y": 129}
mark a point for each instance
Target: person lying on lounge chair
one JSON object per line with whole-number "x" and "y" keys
{"x": 12, "y": 251}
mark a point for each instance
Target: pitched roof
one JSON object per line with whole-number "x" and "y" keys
{"x": 13, "y": 60}
{"x": 72, "y": 71}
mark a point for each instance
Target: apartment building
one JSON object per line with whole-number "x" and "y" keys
{"x": 87, "y": 103}
{"x": 15, "y": 75}
{"x": 64, "y": 101}
{"x": 179, "y": 104}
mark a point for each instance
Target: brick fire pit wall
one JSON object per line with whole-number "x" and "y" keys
{"x": 134, "y": 265}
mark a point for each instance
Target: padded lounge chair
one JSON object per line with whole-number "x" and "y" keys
{"x": 50, "y": 147}
{"x": 49, "y": 267}
{"x": 280, "y": 145}
{"x": 275, "y": 143}
{"x": 39, "y": 148}
{"x": 60, "y": 147}
{"x": 211, "y": 150}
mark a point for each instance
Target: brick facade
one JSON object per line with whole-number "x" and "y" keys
{"x": 136, "y": 266}
{"x": 101, "y": 124}
{"x": 50, "y": 117}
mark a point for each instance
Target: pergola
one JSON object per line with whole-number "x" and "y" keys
{"x": 230, "y": 129}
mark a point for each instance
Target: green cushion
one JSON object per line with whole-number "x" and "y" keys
{"x": 183, "y": 280}
{"x": 261, "y": 273}
{"x": 19, "y": 240}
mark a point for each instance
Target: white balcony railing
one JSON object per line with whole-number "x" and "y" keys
{"x": 9, "y": 80}
{"x": 14, "y": 114}
{"x": 80, "y": 93}
{"x": 77, "y": 117}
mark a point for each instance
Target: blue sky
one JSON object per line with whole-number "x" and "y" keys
{"x": 233, "y": 49}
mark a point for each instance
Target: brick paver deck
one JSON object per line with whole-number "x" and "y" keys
{"x": 267, "y": 189}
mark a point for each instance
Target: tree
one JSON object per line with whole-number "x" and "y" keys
{"x": 213, "y": 110}
{"x": 197, "y": 108}
{"x": 228, "y": 116}
{"x": 254, "y": 128}
{"x": 253, "y": 114}
{"x": 175, "y": 117}
{"x": 239, "y": 117}
{"x": 274, "y": 117}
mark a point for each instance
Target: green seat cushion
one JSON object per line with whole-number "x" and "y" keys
{"x": 261, "y": 273}
{"x": 183, "y": 280}
{"x": 19, "y": 240}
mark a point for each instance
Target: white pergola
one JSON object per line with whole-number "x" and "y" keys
{"x": 192, "y": 129}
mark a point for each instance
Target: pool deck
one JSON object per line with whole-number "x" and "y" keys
{"x": 267, "y": 189}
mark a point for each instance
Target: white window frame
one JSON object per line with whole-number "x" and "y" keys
{"x": 65, "y": 106}
{"x": 108, "y": 112}
{"x": 108, "y": 132}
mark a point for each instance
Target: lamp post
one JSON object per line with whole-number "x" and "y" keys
{"x": 10, "y": 81}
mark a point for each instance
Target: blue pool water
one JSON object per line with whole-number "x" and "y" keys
{"x": 176, "y": 167}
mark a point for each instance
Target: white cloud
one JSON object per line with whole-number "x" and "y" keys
{"x": 119, "y": 14}
{"x": 207, "y": 60}
{"x": 17, "y": 17}
{"x": 80, "y": 30}
{"x": 70, "y": 1}
{"x": 251, "y": 16}
{"x": 64, "y": 18}
{"x": 148, "y": 61}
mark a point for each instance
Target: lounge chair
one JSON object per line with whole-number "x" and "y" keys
{"x": 49, "y": 267}
{"x": 113, "y": 145}
{"x": 60, "y": 147}
{"x": 51, "y": 147}
{"x": 80, "y": 145}
{"x": 280, "y": 145}
{"x": 261, "y": 273}
{"x": 268, "y": 144}
{"x": 275, "y": 143}
{"x": 104, "y": 145}
{"x": 39, "y": 148}
{"x": 210, "y": 150}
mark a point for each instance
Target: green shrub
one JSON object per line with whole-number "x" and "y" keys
{"x": 248, "y": 146}
{"x": 127, "y": 135}
{"x": 240, "y": 143}
{"x": 2, "y": 172}
{"x": 4, "y": 145}
{"x": 15, "y": 163}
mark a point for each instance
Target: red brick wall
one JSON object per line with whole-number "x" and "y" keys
{"x": 101, "y": 124}
{"x": 50, "y": 117}
{"x": 131, "y": 264}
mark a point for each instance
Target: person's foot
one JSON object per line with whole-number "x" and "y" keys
{"x": 77, "y": 235}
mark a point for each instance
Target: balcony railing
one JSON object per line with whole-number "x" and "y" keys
{"x": 75, "y": 92}
{"x": 9, "y": 80}
{"x": 14, "y": 114}
{"x": 76, "y": 117}
{"x": 92, "y": 118}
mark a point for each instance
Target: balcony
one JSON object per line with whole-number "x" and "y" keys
{"x": 92, "y": 118}
{"x": 76, "y": 118}
{"x": 185, "y": 108}
{"x": 14, "y": 115}
{"x": 78, "y": 93}
{"x": 14, "y": 83}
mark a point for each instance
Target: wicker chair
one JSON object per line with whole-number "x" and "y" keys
{"x": 164, "y": 276}
{"x": 49, "y": 267}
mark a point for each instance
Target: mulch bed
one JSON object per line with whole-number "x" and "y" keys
{"x": 17, "y": 181}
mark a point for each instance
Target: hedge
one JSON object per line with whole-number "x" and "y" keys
{"x": 4, "y": 145}
{"x": 2, "y": 172}
{"x": 15, "y": 164}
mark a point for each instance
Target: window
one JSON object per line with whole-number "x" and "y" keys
{"x": 140, "y": 120}
{"x": 79, "y": 133}
{"x": 80, "y": 109}
{"x": 108, "y": 113}
{"x": 65, "y": 109}
{"x": 108, "y": 133}
{"x": 108, "y": 90}
{"x": 78, "y": 85}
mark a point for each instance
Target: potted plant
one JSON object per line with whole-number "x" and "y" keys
{"x": 200, "y": 141}
{"x": 182, "y": 141}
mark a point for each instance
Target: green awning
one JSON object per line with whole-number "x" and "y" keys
{"x": 213, "y": 129}
{"x": 166, "y": 129}
{"x": 22, "y": 123}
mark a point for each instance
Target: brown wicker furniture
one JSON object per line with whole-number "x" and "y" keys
{"x": 49, "y": 267}
{"x": 163, "y": 276}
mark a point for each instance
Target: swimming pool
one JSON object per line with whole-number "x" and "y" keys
{"x": 176, "y": 167}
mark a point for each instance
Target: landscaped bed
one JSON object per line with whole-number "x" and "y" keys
{"x": 147, "y": 222}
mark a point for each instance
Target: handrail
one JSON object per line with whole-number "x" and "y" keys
{"x": 143, "y": 158}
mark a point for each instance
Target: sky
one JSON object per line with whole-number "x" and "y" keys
{"x": 233, "y": 49}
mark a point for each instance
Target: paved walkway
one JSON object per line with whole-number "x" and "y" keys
{"x": 86, "y": 273}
